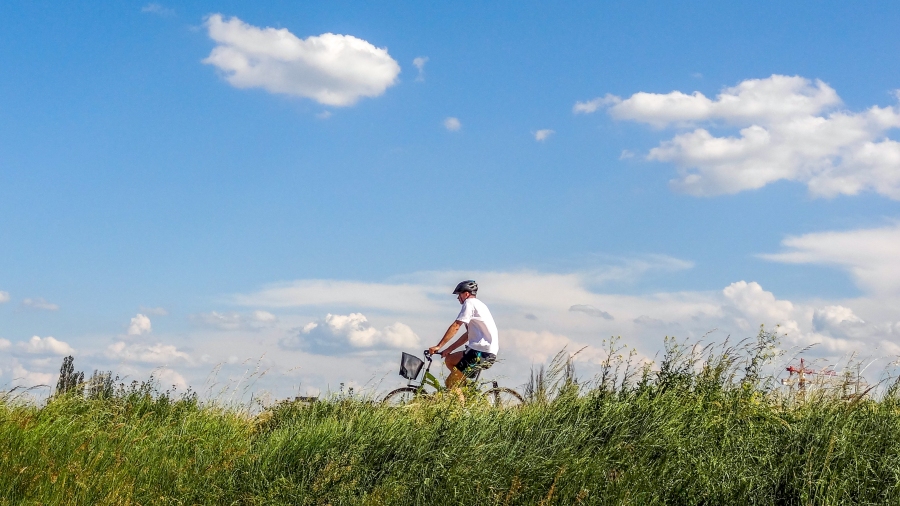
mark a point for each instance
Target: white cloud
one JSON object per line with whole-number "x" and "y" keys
{"x": 626, "y": 154}
{"x": 234, "y": 320}
{"x": 537, "y": 347}
{"x": 24, "y": 377}
{"x": 542, "y": 135}
{"x": 777, "y": 98}
{"x": 170, "y": 378}
{"x": 592, "y": 105}
{"x": 790, "y": 129}
{"x": 341, "y": 333}
{"x": 757, "y": 306}
{"x": 870, "y": 255}
{"x": 452, "y": 124}
{"x": 39, "y": 303}
{"x": 4, "y": 297}
{"x": 263, "y": 316}
{"x": 323, "y": 115}
{"x": 46, "y": 346}
{"x": 4, "y": 344}
{"x": 149, "y": 354}
{"x": 831, "y": 318}
{"x": 159, "y": 10}
{"x": 156, "y": 311}
{"x": 335, "y": 70}
{"x": 140, "y": 324}
{"x": 419, "y": 63}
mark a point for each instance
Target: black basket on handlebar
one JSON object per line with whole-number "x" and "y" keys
{"x": 410, "y": 366}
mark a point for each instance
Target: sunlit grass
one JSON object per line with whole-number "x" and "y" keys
{"x": 704, "y": 426}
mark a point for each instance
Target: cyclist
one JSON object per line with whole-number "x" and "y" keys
{"x": 480, "y": 337}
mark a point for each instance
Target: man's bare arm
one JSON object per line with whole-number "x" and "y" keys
{"x": 451, "y": 331}
{"x": 464, "y": 338}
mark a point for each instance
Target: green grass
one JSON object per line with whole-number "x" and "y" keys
{"x": 702, "y": 427}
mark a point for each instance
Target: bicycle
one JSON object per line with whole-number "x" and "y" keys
{"x": 411, "y": 366}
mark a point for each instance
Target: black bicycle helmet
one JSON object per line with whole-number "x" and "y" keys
{"x": 466, "y": 286}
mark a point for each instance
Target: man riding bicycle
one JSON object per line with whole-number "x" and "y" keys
{"x": 480, "y": 337}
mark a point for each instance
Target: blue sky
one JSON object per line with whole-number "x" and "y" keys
{"x": 142, "y": 178}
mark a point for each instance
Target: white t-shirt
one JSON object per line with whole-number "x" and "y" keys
{"x": 482, "y": 329}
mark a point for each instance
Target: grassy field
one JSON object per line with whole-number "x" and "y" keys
{"x": 699, "y": 427}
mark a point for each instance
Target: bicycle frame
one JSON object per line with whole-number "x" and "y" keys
{"x": 430, "y": 380}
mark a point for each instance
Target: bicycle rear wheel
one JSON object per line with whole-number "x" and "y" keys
{"x": 401, "y": 396}
{"x": 503, "y": 397}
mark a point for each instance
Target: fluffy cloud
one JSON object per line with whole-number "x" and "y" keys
{"x": 156, "y": 354}
{"x": 331, "y": 69}
{"x": 4, "y": 297}
{"x": 789, "y": 129}
{"x": 24, "y": 377}
{"x": 341, "y": 333}
{"x": 169, "y": 377}
{"x": 831, "y": 318}
{"x": 140, "y": 324}
{"x": 39, "y": 303}
{"x": 452, "y": 124}
{"x": 537, "y": 346}
{"x": 419, "y": 63}
{"x": 46, "y": 346}
{"x": 870, "y": 255}
{"x": 234, "y": 320}
{"x": 755, "y": 301}
{"x": 755, "y": 306}
{"x": 4, "y": 344}
{"x": 542, "y": 135}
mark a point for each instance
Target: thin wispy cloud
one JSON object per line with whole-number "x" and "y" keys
{"x": 332, "y": 69}
{"x": 159, "y": 10}
{"x": 542, "y": 135}
{"x": 591, "y": 311}
{"x": 232, "y": 320}
{"x": 152, "y": 354}
{"x": 155, "y": 311}
{"x": 452, "y": 124}
{"x": 419, "y": 63}
{"x": 4, "y": 297}
{"x": 869, "y": 255}
{"x": 40, "y": 304}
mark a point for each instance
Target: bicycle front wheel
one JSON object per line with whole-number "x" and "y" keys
{"x": 503, "y": 397}
{"x": 401, "y": 396}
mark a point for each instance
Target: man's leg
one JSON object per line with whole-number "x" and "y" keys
{"x": 456, "y": 377}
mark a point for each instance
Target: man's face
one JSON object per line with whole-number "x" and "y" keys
{"x": 463, "y": 296}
